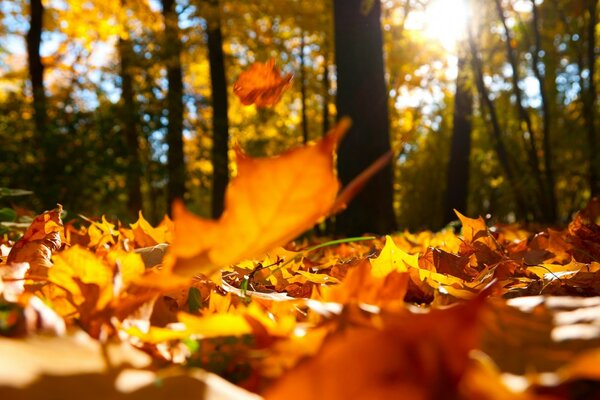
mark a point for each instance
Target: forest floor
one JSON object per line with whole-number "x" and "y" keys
{"x": 494, "y": 312}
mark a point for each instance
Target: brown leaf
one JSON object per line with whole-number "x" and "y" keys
{"x": 261, "y": 84}
{"x": 37, "y": 244}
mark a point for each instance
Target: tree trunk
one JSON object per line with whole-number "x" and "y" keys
{"x": 48, "y": 191}
{"x": 130, "y": 129}
{"x": 362, "y": 95}
{"x": 546, "y": 144}
{"x": 172, "y": 53}
{"x": 457, "y": 182}
{"x": 590, "y": 100}
{"x": 220, "y": 158}
{"x": 326, "y": 86}
{"x": 303, "y": 88}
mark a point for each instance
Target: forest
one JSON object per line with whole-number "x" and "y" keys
{"x": 111, "y": 107}
{"x": 265, "y": 198}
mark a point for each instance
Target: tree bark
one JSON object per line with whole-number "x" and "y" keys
{"x": 326, "y": 86}
{"x": 48, "y": 192}
{"x": 590, "y": 100}
{"x": 35, "y": 65}
{"x": 546, "y": 143}
{"x": 172, "y": 52}
{"x": 362, "y": 95}
{"x": 220, "y": 149}
{"x": 303, "y": 88}
{"x": 457, "y": 182}
{"x": 130, "y": 128}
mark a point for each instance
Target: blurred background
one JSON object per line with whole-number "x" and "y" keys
{"x": 489, "y": 106}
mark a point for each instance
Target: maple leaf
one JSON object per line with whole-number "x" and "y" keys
{"x": 392, "y": 258}
{"x": 145, "y": 235}
{"x": 584, "y": 233}
{"x": 270, "y": 202}
{"x": 261, "y": 84}
{"x": 364, "y": 285}
{"x": 76, "y": 269}
{"x": 41, "y": 239}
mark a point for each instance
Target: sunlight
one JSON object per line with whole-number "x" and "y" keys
{"x": 443, "y": 21}
{"x": 446, "y": 21}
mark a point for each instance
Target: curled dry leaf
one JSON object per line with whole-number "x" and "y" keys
{"x": 37, "y": 244}
{"x": 261, "y": 84}
{"x": 270, "y": 202}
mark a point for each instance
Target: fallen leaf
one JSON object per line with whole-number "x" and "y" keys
{"x": 41, "y": 239}
{"x": 145, "y": 235}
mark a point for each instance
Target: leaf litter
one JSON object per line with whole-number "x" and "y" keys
{"x": 230, "y": 308}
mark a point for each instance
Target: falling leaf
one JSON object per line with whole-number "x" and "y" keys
{"x": 270, "y": 202}
{"x": 261, "y": 84}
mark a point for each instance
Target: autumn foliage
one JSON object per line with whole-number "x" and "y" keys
{"x": 420, "y": 316}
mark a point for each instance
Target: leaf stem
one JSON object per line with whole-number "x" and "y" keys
{"x": 247, "y": 278}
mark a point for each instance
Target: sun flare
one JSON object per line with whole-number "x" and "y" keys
{"x": 444, "y": 21}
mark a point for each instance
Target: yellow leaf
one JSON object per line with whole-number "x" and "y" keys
{"x": 145, "y": 235}
{"x": 101, "y": 233}
{"x": 78, "y": 264}
{"x": 215, "y": 325}
{"x": 130, "y": 264}
{"x": 556, "y": 271}
{"x": 315, "y": 278}
{"x": 391, "y": 259}
{"x": 156, "y": 334}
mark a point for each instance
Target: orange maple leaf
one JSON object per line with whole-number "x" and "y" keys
{"x": 270, "y": 202}
{"x": 261, "y": 84}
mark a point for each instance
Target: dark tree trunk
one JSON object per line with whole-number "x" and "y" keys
{"x": 130, "y": 129}
{"x": 362, "y": 95}
{"x": 546, "y": 144}
{"x": 36, "y": 67}
{"x": 590, "y": 100}
{"x": 326, "y": 85}
{"x": 220, "y": 159}
{"x": 48, "y": 191}
{"x": 457, "y": 181}
{"x": 172, "y": 53}
{"x": 303, "y": 88}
